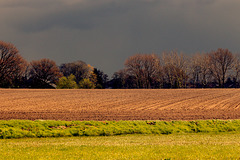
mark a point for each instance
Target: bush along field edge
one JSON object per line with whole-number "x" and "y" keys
{"x": 49, "y": 128}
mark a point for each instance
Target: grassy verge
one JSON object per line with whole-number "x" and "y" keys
{"x": 40, "y": 128}
{"x": 174, "y": 146}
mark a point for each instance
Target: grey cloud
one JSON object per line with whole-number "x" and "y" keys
{"x": 82, "y": 15}
{"x": 104, "y": 33}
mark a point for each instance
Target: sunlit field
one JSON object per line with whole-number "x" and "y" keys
{"x": 145, "y": 136}
{"x": 127, "y": 104}
{"x": 186, "y": 146}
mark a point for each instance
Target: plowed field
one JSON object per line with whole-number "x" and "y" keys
{"x": 162, "y": 104}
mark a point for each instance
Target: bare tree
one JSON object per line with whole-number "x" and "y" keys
{"x": 144, "y": 68}
{"x": 236, "y": 70}
{"x": 220, "y": 62}
{"x": 199, "y": 69}
{"x": 44, "y": 73}
{"x": 152, "y": 70}
{"x": 134, "y": 68}
{"x": 195, "y": 70}
{"x": 12, "y": 65}
{"x": 175, "y": 68}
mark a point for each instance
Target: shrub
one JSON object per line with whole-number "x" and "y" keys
{"x": 86, "y": 84}
{"x": 67, "y": 82}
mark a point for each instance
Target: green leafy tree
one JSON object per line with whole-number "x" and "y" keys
{"x": 86, "y": 84}
{"x": 67, "y": 82}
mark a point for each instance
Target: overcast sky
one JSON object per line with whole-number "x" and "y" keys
{"x": 104, "y": 33}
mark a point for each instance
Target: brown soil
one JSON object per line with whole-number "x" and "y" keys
{"x": 162, "y": 104}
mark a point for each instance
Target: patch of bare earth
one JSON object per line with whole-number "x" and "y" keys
{"x": 138, "y": 104}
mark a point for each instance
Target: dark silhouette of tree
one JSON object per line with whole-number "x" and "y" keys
{"x": 118, "y": 79}
{"x": 79, "y": 69}
{"x": 101, "y": 78}
{"x": 12, "y": 65}
{"x": 220, "y": 62}
{"x": 44, "y": 73}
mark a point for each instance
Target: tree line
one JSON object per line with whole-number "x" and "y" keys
{"x": 16, "y": 72}
{"x": 216, "y": 69}
{"x": 173, "y": 69}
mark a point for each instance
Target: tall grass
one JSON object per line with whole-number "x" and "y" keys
{"x": 49, "y": 128}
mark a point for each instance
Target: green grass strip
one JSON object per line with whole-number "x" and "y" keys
{"x": 48, "y": 128}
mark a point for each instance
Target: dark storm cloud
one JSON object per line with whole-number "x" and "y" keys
{"x": 85, "y": 14}
{"x": 105, "y": 32}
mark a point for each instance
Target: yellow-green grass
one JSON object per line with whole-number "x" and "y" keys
{"x": 174, "y": 146}
{"x": 31, "y": 129}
